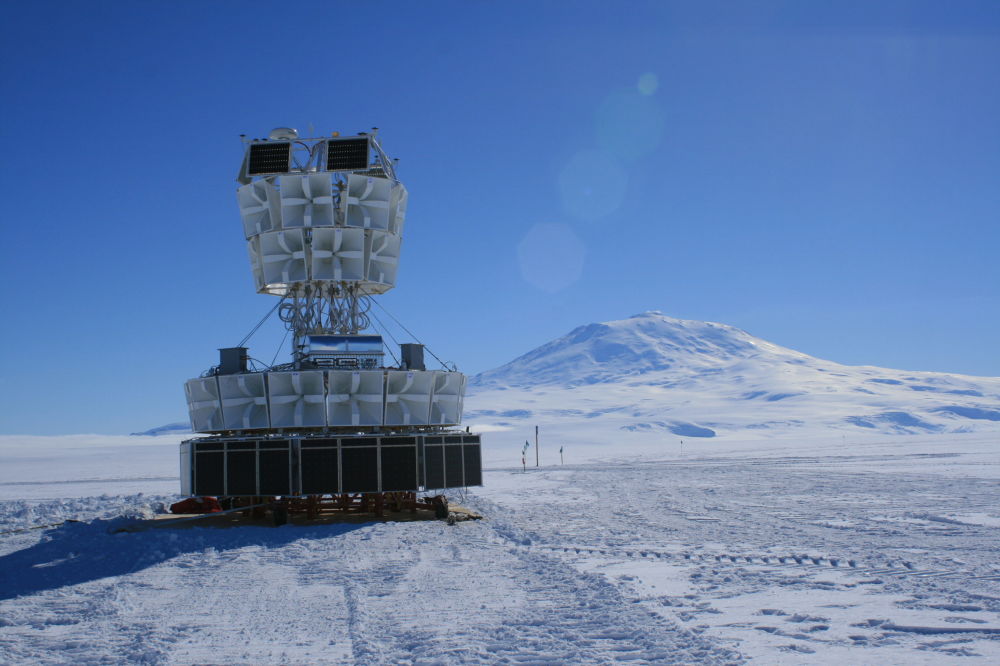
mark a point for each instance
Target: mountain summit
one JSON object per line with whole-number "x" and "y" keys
{"x": 653, "y": 372}
{"x": 642, "y": 344}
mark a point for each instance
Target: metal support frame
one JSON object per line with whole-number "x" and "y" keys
{"x": 324, "y": 309}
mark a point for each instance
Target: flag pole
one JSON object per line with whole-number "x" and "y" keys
{"x": 536, "y": 446}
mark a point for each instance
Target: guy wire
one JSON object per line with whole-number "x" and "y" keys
{"x": 443, "y": 364}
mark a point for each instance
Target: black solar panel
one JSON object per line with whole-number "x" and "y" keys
{"x": 274, "y": 473}
{"x": 209, "y": 477}
{"x": 269, "y": 158}
{"x": 399, "y": 468}
{"x": 434, "y": 466}
{"x": 242, "y": 446}
{"x": 360, "y": 470}
{"x": 359, "y": 441}
{"x": 473, "y": 465}
{"x": 347, "y": 154}
{"x": 319, "y": 443}
{"x": 241, "y": 473}
{"x": 209, "y": 446}
{"x": 454, "y": 471}
{"x": 319, "y": 471}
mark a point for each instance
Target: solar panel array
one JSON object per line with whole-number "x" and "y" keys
{"x": 347, "y": 154}
{"x": 330, "y": 465}
{"x": 269, "y": 158}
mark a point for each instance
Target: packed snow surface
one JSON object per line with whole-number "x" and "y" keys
{"x": 883, "y": 550}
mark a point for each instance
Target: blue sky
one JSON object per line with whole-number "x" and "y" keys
{"x": 825, "y": 175}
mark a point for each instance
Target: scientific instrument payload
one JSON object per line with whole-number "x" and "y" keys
{"x": 336, "y": 426}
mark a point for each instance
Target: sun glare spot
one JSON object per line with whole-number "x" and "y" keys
{"x": 648, "y": 83}
{"x": 592, "y": 184}
{"x": 551, "y": 256}
{"x": 629, "y": 124}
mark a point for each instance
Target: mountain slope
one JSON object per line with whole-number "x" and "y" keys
{"x": 178, "y": 428}
{"x": 690, "y": 378}
{"x": 646, "y": 343}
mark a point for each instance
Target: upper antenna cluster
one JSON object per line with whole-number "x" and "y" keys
{"x": 321, "y": 215}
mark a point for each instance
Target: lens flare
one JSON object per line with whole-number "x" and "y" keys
{"x": 629, "y": 125}
{"x": 551, "y": 257}
{"x": 648, "y": 83}
{"x": 592, "y": 184}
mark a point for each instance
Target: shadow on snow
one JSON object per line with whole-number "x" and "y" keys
{"x": 76, "y": 553}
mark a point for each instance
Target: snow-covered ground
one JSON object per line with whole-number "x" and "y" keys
{"x": 885, "y": 550}
{"x": 724, "y": 499}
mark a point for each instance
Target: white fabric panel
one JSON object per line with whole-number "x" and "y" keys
{"x": 296, "y": 398}
{"x": 306, "y": 201}
{"x": 355, "y": 397}
{"x": 383, "y": 257}
{"x": 204, "y": 407}
{"x": 283, "y": 257}
{"x": 397, "y": 209}
{"x": 408, "y": 397}
{"x": 244, "y": 401}
{"x": 367, "y": 202}
{"x": 446, "y": 403}
{"x": 259, "y": 207}
{"x": 338, "y": 254}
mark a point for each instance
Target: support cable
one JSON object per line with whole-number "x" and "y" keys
{"x": 278, "y": 350}
{"x": 443, "y": 364}
{"x": 261, "y": 322}
{"x": 387, "y": 331}
{"x": 387, "y": 347}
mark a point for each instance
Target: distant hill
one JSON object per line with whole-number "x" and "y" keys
{"x": 654, "y": 373}
{"x": 178, "y": 428}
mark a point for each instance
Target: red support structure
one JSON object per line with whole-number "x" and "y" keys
{"x": 314, "y": 507}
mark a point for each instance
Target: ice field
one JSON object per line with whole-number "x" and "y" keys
{"x": 879, "y": 550}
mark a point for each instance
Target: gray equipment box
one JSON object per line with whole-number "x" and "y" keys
{"x": 233, "y": 360}
{"x": 412, "y": 356}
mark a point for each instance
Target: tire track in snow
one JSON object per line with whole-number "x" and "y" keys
{"x": 769, "y": 530}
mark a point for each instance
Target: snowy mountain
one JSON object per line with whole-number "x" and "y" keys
{"x": 178, "y": 428}
{"x": 652, "y": 373}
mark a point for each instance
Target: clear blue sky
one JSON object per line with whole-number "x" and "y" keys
{"x": 825, "y": 175}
